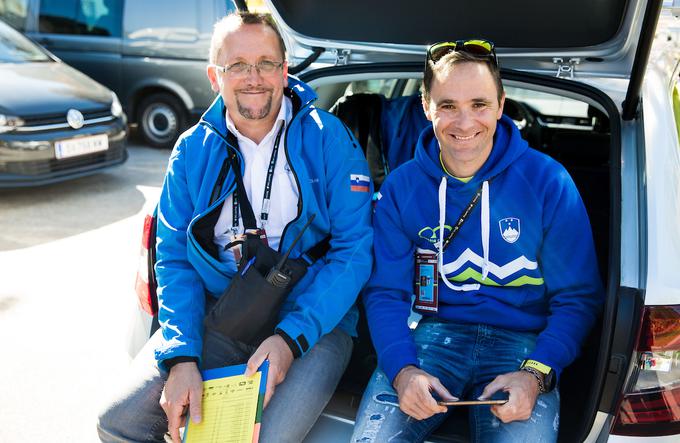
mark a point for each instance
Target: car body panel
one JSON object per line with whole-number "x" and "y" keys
{"x": 662, "y": 176}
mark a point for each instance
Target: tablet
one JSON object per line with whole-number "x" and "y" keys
{"x": 471, "y": 402}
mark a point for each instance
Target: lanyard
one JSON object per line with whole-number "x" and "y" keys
{"x": 264, "y": 214}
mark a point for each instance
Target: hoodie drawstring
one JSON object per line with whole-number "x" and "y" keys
{"x": 440, "y": 244}
{"x": 485, "y": 229}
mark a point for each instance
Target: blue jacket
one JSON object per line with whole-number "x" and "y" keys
{"x": 526, "y": 264}
{"x": 322, "y": 155}
{"x": 403, "y": 120}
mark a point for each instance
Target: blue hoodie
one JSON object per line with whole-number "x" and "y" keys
{"x": 324, "y": 158}
{"x": 524, "y": 259}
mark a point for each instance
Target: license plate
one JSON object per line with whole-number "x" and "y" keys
{"x": 81, "y": 146}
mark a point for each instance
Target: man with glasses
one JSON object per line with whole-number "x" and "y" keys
{"x": 296, "y": 162}
{"x": 497, "y": 240}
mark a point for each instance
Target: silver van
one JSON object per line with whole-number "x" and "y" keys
{"x": 151, "y": 53}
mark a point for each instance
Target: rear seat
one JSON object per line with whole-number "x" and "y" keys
{"x": 586, "y": 157}
{"x": 387, "y": 129}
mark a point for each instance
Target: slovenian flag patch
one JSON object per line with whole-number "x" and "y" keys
{"x": 359, "y": 183}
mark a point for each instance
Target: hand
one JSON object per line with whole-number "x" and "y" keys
{"x": 183, "y": 388}
{"x": 413, "y": 385}
{"x": 280, "y": 358}
{"x": 523, "y": 390}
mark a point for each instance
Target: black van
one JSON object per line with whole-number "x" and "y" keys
{"x": 151, "y": 53}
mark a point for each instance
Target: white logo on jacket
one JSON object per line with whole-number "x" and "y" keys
{"x": 510, "y": 229}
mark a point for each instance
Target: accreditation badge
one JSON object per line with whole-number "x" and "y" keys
{"x": 426, "y": 287}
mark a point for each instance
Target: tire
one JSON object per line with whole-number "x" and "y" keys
{"x": 161, "y": 118}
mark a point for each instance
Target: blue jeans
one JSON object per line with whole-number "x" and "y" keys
{"x": 465, "y": 358}
{"x": 135, "y": 414}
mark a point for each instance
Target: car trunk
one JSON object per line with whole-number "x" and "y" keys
{"x": 579, "y": 40}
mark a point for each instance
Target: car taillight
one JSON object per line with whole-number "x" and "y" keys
{"x": 145, "y": 284}
{"x": 652, "y": 406}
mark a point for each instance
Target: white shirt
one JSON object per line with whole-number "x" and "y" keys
{"x": 284, "y": 193}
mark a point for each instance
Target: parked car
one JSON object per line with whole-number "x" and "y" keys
{"x": 594, "y": 85}
{"x": 152, "y": 53}
{"x": 55, "y": 122}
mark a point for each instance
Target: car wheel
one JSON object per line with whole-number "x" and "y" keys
{"x": 161, "y": 118}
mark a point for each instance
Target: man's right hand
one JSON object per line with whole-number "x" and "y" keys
{"x": 414, "y": 386}
{"x": 183, "y": 388}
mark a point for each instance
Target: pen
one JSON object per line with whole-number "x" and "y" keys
{"x": 245, "y": 268}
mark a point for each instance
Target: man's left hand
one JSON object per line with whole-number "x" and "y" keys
{"x": 523, "y": 390}
{"x": 280, "y": 358}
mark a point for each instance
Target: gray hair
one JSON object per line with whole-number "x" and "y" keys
{"x": 231, "y": 22}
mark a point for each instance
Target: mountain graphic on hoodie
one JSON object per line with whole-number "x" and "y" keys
{"x": 510, "y": 235}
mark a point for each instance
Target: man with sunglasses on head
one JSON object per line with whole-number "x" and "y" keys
{"x": 497, "y": 240}
{"x": 297, "y": 164}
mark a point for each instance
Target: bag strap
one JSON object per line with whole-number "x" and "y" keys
{"x": 318, "y": 250}
{"x": 249, "y": 221}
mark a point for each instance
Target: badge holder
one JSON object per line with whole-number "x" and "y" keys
{"x": 426, "y": 282}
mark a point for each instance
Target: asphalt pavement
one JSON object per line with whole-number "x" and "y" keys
{"x": 68, "y": 257}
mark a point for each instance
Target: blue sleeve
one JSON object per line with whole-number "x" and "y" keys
{"x": 181, "y": 296}
{"x": 388, "y": 295}
{"x": 567, "y": 260}
{"x": 347, "y": 265}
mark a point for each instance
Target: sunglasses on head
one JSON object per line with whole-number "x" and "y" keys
{"x": 482, "y": 48}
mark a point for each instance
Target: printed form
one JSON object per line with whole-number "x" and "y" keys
{"x": 232, "y": 408}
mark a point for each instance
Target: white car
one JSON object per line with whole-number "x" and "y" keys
{"x": 593, "y": 84}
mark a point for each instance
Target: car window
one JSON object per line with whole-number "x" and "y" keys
{"x": 548, "y": 104}
{"x": 81, "y": 17}
{"x": 15, "y": 48}
{"x": 14, "y": 13}
{"x": 377, "y": 86}
{"x": 177, "y": 20}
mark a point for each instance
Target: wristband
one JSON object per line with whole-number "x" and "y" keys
{"x": 540, "y": 367}
{"x": 169, "y": 363}
{"x": 294, "y": 348}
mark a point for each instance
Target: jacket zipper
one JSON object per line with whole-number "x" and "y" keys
{"x": 297, "y": 182}
{"x": 216, "y": 202}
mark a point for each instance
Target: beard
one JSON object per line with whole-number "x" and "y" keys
{"x": 255, "y": 114}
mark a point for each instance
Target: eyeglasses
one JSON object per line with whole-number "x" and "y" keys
{"x": 242, "y": 70}
{"x": 482, "y": 48}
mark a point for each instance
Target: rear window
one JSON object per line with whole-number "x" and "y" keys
{"x": 81, "y": 17}
{"x": 548, "y": 104}
{"x": 15, "y": 48}
{"x": 14, "y": 13}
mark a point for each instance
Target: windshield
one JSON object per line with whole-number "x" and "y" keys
{"x": 15, "y": 48}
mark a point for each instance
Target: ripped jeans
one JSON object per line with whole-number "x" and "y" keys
{"x": 465, "y": 358}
